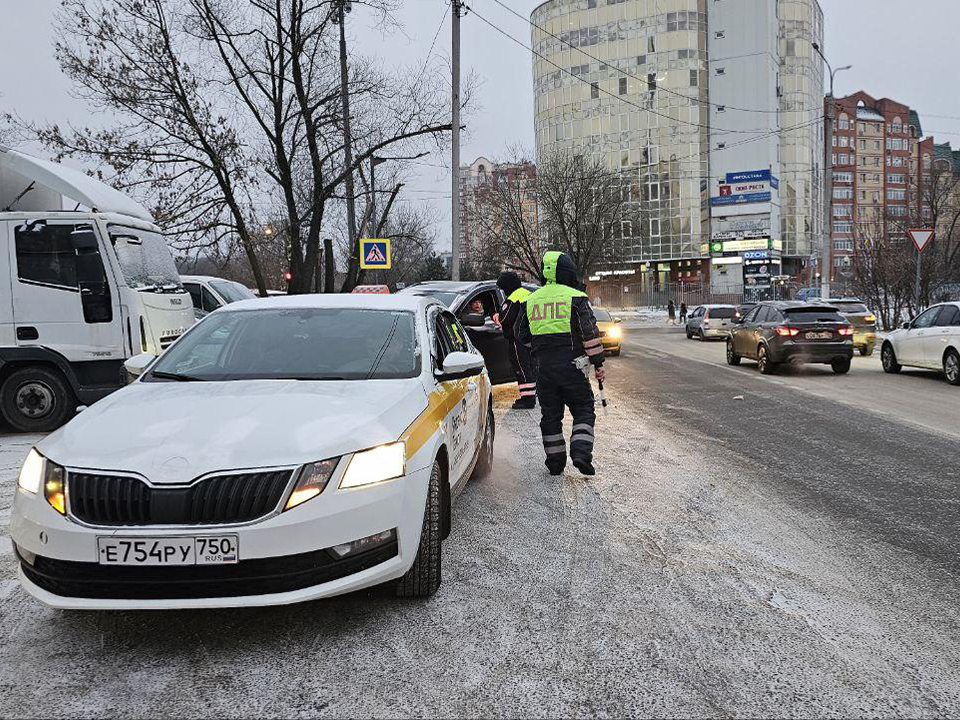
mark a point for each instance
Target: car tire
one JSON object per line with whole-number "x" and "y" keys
{"x": 732, "y": 357}
{"x": 36, "y": 399}
{"x": 423, "y": 577}
{"x": 951, "y": 367}
{"x": 764, "y": 364}
{"x": 689, "y": 335}
{"x": 888, "y": 358}
{"x": 866, "y": 351}
{"x": 841, "y": 367}
{"x": 615, "y": 353}
{"x": 700, "y": 335}
{"x": 485, "y": 462}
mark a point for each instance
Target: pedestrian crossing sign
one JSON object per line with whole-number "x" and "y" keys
{"x": 375, "y": 253}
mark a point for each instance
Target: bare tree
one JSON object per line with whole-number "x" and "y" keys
{"x": 227, "y": 113}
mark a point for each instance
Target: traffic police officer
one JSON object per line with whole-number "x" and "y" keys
{"x": 560, "y": 328}
{"x": 520, "y": 358}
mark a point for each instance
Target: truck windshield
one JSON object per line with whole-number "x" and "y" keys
{"x": 145, "y": 259}
{"x": 306, "y": 343}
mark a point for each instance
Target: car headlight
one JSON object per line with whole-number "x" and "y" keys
{"x": 36, "y": 471}
{"x": 616, "y": 333}
{"x": 375, "y": 465}
{"x": 311, "y": 481}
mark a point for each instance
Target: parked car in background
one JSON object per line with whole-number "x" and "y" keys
{"x": 209, "y": 293}
{"x": 463, "y": 299}
{"x": 777, "y": 332}
{"x": 710, "y": 321}
{"x": 611, "y": 332}
{"x": 931, "y": 340}
{"x": 863, "y": 320}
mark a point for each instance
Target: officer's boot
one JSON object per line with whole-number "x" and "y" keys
{"x": 527, "y": 402}
{"x": 556, "y": 467}
{"x": 584, "y": 465}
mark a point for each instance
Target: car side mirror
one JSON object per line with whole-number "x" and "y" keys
{"x": 474, "y": 320}
{"x": 618, "y": 320}
{"x": 136, "y": 365}
{"x": 458, "y": 365}
{"x": 906, "y": 326}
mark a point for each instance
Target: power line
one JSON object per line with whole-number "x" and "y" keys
{"x": 607, "y": 92}
{"x": 640, "y": 79}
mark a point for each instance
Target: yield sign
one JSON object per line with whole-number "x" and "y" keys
{"x": 921, "y": 237}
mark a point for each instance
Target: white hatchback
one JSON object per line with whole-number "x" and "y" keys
{"x": 931, "y": 340}
{"x": 284, "y": 449}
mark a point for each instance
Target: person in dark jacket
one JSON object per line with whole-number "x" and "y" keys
{"x": 520, "y": 358}
{"x": 560, "y": 328}
{"x": 671, "y": 313}
{"x": 683, "y": 313}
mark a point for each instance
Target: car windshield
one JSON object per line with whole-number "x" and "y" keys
{"x": 145, "y": 259}
{"x": 812, "y": 315}
{"x": 297, "y": 344}
{"x": 850, "y": 308}
{"x": 446, "y": 298}
{"x": 601, "y": 315}
{"x": 232, "y": 292}
{"x": 721, "y": 312}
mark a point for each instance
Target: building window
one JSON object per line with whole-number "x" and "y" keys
{"x": 863, "y": 144}
{"x": 897, "y": 211}
{"x": 843, "y": 123}
{"x": 694, "y": 78}
{"x": 651, "y": 81}
{"x": 896, "y": 179}
{"x": 842, "y": 193}
{"x": 641, "y": 59}
{"x": 893, "y": 194}
{"x": 651, "y": 45}
{"x": 843, "y": 227}
{"x": 594, "y": 90}
{"x": 843, "y": 245}
{"x": 623, "y": 86}
{"x": 843, "y": 211}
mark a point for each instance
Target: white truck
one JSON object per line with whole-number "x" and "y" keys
{"x": 80, "y": 290}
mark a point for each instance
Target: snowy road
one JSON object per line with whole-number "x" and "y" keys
{"x": 780, "y": 555}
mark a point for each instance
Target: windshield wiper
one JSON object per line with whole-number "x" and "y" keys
{"x": 316, "y": 377}
{"x": 175, "y": 376}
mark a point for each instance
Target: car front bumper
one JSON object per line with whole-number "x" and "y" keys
{"x": 283, "y": 558}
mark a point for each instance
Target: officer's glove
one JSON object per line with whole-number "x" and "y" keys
{"x": 599, "y": 372}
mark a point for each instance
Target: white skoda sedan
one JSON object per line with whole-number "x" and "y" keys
{"x": 931, "y": 340}
{"x": 284, "y": 449}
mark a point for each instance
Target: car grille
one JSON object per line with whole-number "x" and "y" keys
{"x": 119, "y": 500}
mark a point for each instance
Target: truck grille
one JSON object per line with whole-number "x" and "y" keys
{"x": 119, "y": 500}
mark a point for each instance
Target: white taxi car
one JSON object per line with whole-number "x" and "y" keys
{"x": 931, "y": 340}
{"x": 284, "y": 449}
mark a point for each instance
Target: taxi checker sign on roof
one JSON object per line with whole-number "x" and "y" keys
{"x": 375, "y": 253}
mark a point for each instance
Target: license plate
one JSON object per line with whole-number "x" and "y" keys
{"x": 202, "y": 550}
{"x": 819, "y": 335}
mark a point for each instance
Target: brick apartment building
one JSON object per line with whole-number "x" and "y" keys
{"x": 881, "y": 165}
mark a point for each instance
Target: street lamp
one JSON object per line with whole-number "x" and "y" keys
{"x": 825, "y": 255}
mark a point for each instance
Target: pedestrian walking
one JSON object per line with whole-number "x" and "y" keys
{"x": 671, "y": 313}
{"x": 520, "y": 358}
{"x": 683, "y": 313}
{"x": 561, "y": 330}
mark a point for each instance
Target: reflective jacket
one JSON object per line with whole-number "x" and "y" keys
{"x": 559, "y": 323}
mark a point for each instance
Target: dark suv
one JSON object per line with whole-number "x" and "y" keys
{"x": 797, "y": 332}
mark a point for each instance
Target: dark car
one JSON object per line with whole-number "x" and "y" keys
{"x": 742, "y": 310}
{"x": 777, "y": 332}
{"x": 863, "y": 320}
{"x": 477, "y": 306}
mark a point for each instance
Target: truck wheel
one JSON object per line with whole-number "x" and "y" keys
{"x": 423, "y": 577}
{"x": 951, "y": 367}
{"x": 36, "y": 399}
{"x": 485, "y": 461}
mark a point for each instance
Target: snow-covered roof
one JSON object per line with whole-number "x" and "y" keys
{"x": 29, "y": 183}
{"x": 865, "y": 113}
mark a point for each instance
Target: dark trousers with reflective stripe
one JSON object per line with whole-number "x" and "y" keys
{"x": 524, "y": 368}
{"x": 559, "y": 385}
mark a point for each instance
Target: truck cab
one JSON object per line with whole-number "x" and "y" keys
{"x": 80, "y": 290}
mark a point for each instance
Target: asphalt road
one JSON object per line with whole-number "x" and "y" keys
{"x": 747, "y": 549}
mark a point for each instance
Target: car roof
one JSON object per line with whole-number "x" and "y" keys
{"x": 362, "y": 301}
{"x": 458, "y": 286}
{"x": 205, "y": 278}
{"x": 717, "y": 305}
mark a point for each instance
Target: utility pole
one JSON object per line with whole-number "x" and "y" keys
{"x": 826, "y": 264}
{"x": 455, "y": 146}
{"x": 344, "y": 6}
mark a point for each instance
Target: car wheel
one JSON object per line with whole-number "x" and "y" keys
{"x": 951, "y": 367}
{"x": 700, "y": 336}
{"x": 485, "y": 461}
{"x": 689, "y": 335}
{"x": 866, "y": 350}
{"x": 732, "y": 357}
{"x": 615, "y": 353}
{"x": 763, "y": 361}
{"x": 423, "y": 577}
{"x": 36, "y": 400}
{"x": 888, "y": 358}
{"x": 841, "y": 367}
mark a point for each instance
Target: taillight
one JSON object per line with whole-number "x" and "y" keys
{"x": 786, "y": 331}
{"x": 706, "y": 321}
{"x": 846, "y": 330}
{"x": 870, "y": 318}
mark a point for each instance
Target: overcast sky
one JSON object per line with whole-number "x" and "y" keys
{"x": 907, "y": 51}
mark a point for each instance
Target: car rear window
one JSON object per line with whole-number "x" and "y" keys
{"x": 721, "y": 312}
{"x": 851, "y": 307}
{"x": 813, "y": 315}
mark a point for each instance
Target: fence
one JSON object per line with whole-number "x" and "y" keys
{"x": 620, "y": 294}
